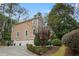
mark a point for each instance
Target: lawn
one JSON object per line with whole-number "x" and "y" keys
{"x": 60, "y": 51}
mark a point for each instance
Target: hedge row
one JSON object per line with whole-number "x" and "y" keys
{"x": 71, "y": 39}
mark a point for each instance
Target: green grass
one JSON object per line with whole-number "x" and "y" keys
{"x": 60, "y": 51}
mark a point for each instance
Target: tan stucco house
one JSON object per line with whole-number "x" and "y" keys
{"x": 24, "y": 32}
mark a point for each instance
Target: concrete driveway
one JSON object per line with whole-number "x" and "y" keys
{"x": 15, "y": 51}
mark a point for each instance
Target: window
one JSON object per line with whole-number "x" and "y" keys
{"x": 26, "y": 33}
{"x": 19, "y": 44}
{"x": 14, "y": 44}
{"x": 17, "y": 33}
{"x": 33, "y": 31}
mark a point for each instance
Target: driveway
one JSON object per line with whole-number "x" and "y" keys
{"x": 15, "y": 51}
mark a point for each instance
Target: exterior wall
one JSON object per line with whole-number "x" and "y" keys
{"x": 38, "y": 24}
{"x": 35, "y": 25}
{"x": 22, "y": 28}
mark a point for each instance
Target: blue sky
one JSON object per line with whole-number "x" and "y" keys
{"x": 33, "y": 8}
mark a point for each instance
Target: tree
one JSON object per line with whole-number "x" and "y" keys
{"x": 60, "y": 19}
{"x": 7, "y": 20}
{"x": 41, "y": 38}
{"x": 2, "y": 24}
{"x": 9, "y": 10}
{"x": 38, "y": 15}
{"x": 15, "y": 10}
{"x": 44, "y": 36}
{"x": 21, "y": 12}
{"x": 5, "y": 35}
{"x": 76, "y": 10}
{"x": 46, "y": 18}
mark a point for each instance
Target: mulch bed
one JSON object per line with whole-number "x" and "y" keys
{"x": 51, "y": 50}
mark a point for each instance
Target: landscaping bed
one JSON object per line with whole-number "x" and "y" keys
{"x": 59, "y": 51}
{"x": 37, "y": 49}
{"x": 52, "y": 50}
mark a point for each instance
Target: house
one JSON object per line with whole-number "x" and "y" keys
{"x": 24, "y": 32}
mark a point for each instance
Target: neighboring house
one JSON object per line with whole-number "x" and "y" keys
{"x": 24, "y": 32}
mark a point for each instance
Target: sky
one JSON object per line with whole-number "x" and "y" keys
{"x": 34, "y": 8}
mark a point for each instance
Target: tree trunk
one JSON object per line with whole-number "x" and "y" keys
{"x": 2, "y": 30}
{"x": 18, "y": 18}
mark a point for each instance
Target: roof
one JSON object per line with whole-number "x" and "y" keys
{"x": 26, "y": 21}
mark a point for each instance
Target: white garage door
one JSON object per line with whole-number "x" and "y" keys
{"x": 23, "y": 43}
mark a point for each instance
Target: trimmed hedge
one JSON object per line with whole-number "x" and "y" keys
{"x": 71, "y": 39}
{"x": 56, "y": 42}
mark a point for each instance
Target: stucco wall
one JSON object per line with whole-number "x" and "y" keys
{"x": 21, "y": 28}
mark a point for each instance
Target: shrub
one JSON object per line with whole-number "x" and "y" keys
{"x": 37, "y": 40}
{"x": 30, "y": 47}
{"x": 49, "y": 42}
{"x": 37, "y": 49}
{"x": 53, "y": 36}
{"x": 56, "y": 42}
{"x": 71, "y": 39}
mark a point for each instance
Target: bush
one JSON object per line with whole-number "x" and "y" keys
{"x": 37, "y": 49}
{"x": 56, "y": 42}
{"x": 30, "y": 47}
{"x": 53, "y": 36}
{"x": 71, "y": 39}
{"x": 37, "y": 40}
{"x": 48, "y": 42}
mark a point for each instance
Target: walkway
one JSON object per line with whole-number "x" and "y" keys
{"x": 60, "y": 51}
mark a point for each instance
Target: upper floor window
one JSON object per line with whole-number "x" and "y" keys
{"x": 33, "y": 31}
